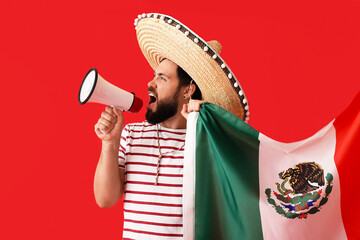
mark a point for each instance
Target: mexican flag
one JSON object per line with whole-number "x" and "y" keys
{"x": 241, "y": 184}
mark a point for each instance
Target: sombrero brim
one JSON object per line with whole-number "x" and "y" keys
{"x": 161, "y": 36}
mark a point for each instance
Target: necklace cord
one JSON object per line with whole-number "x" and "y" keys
{"x": 161, "y": 155}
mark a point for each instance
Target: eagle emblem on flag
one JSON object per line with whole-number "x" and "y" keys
{"x": 301, "y": 191}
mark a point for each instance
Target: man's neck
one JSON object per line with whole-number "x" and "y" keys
{"x": 176, "y": 122}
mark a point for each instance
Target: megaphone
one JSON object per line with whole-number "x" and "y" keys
{"x": 96, "y": 89}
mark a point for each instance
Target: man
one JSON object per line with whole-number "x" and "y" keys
{"x": 165, "y": 92}
{"x": 144, "y": 161}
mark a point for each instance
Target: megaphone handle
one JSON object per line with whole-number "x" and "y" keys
{"x": 118, "y": 108}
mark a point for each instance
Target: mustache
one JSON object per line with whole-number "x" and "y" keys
{"x": 152, "y": 90}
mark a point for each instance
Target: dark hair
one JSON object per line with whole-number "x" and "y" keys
{"x": 185, "y": 79}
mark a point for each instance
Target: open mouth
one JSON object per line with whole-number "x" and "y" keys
{"x": 152, "y": 98}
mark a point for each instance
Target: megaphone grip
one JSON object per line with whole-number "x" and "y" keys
{"x": 136, "y": 105}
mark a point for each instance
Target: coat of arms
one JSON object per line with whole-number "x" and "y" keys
{"x": 304, "y": 197}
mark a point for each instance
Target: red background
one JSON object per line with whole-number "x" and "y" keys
{"x": 298, "y": 63}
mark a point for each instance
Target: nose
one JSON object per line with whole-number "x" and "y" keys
{"x": 152, "y": 83}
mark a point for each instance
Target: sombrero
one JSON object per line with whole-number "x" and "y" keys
{"x": 161, "y": 36}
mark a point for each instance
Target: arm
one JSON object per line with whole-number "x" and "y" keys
{"x": 109, "y": 178}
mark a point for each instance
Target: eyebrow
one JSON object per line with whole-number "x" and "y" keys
{"x": 161, "y": 74}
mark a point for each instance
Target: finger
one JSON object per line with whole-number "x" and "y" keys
{"x": 106, "y": 123}
{"x": 101, "y": 129}
{"x": 117, "y": 112}
{"x": 100, "y": 132}
{"x": 201, "y": 102}
{"x": 111, "y": 117}
{"x": 191, "y": 106}
{"x": 110, "y": 110}
{"x": 184, "y": 111}
{"x": 104, "y": 126}
{"x": 120, "y": 119}
{"x": 197, "y": 106}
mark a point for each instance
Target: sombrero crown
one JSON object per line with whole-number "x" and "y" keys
{"x": 161, "y": 36}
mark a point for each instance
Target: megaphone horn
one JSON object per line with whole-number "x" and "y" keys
{"x": 96, "y": 89}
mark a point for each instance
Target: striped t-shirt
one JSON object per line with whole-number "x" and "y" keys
{"x": 152, "y": 212}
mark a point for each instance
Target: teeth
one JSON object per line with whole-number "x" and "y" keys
{"x": 152, "y": 98}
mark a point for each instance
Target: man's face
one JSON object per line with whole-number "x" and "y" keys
{"x": 164, "y": 93}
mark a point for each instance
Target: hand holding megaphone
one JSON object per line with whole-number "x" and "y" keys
{"x": 110, "y": 124}
{"x": 96, "y": 89}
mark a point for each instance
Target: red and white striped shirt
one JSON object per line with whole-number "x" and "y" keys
{"x": 152, "y": 212}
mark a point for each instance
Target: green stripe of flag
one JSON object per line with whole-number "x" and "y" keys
{"x": 227, "y": 177}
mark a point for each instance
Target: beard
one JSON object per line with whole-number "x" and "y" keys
{"x": 166, "y": 109}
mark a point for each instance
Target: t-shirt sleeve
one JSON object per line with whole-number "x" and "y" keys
{"x": 123, "y": 147}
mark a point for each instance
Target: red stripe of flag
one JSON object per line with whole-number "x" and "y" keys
{"x": 347, "y": 160}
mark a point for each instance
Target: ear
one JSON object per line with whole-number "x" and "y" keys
{"x": 189, "y": 90}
